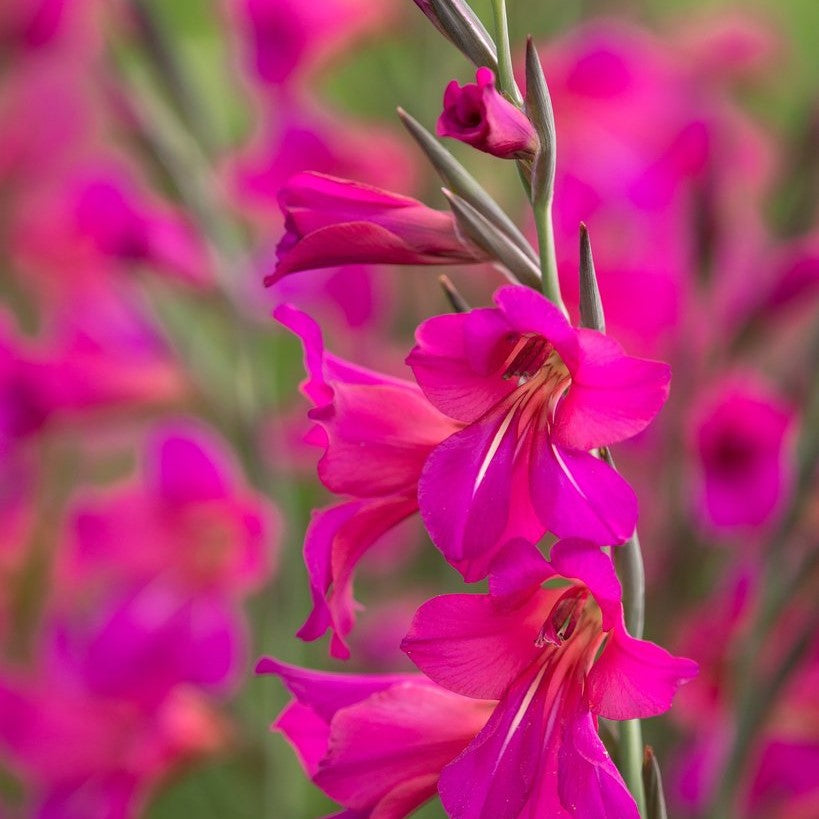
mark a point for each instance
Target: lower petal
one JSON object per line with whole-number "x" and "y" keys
{"x": 577, "y": 495}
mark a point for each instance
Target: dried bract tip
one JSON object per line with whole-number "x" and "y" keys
{"x": 653, "y": 783}
{"x": 591, "y": 305}
{"x": 462, "y": 27}
{"x": 458, "y": 303}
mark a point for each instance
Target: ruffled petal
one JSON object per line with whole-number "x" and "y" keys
{"x": 472, "y": 645}
{"x": 337, "y": 538}
{"x": 613, "y": 396}
{"x": 378, "y": 438}
{"x": 635, "y": 679}
{"x": 386, "y": 752}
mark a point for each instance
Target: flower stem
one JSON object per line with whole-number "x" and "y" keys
{"x": 546, "y": 246}
{"x": 506, "y": 76}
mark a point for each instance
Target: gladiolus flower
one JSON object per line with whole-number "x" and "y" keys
{"x": 538, "y": 656}
{"x": 481, "y": 117}
{"x": 535, "y": 395}
{"x": 375, "y": 743}
{"x": 376, "y": 431}
{"x": 331, "y": 221}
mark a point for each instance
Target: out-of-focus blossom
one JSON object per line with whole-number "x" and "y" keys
{"x": 741, "y": 441}
{"x": 374, "y": 743}
{"x": 330, "y": 222}
{"x": 669, "y": 176}
{"x": 478, "y": 115}
{"x": 302, "y": 137}
{"x": 376, "y": 432}
{"x": 288, "y": 38}
{"x": 535, "y": 395}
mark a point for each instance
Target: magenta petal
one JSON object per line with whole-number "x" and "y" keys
{"x": 336, "y": 540}
{"x": 473, "y": 646}
{"x": 577, "y": 495}
{"x": 527, "y": 311}
{"x": 634, "y": 679}
{"x": 379, "y": 437}
{"x": 589, "y": 783}
{"x": 465, "y": 492}
{"x": 457, "y": 360}
{"x": 519, "y": 568}
{"x": 306, "y": 731}
{"x": 315, "y": 386}
{"x": 497, "y": 773}
{"x": 386, "y": 752}
{"x": 612, "y": 396}
{"x": 325, "y": 692}
{"x": 583, "y": 561}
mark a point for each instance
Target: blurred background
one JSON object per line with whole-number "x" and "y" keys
{"x": 156, "y": 475}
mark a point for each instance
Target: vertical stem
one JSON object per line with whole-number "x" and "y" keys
{"x": 546, "y": 248}
{"x": 506, "y": 78}
{"x": 632, "y": 576}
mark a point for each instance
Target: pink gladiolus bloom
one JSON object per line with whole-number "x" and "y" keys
{"x": 537, "y": 653}
{"x": 375, "y": 743}
{"x": 535, "y": 395}
{"x": 481, "y": 117}
{"x": 376, "y": 432}
{"x": 740, "y": 438}
{"x": 331, "y": 221}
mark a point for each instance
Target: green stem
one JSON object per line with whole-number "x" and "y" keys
{"x": 548, "y": 255}
{"x": 506, "y": 78}
{"x": 631, "y": 760}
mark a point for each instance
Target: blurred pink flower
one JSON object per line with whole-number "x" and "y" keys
{"x": 535, "y": 395}
{"x": 478, "y": 115}
{"x": 667, "y": 173}
{"x": 376, "y": 432}
{"x": 287, "y": 38}
{"x": 740, "y": 434}
{"x": 331, "y": 221}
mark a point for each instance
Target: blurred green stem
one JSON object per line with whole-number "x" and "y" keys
{"x": 506, "y": 78}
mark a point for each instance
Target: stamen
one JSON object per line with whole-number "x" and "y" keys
{"x": 562, "y": 621}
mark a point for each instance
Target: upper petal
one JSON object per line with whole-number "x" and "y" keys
{"x": 471, "y": 644}
{"x": 457, "y": 362}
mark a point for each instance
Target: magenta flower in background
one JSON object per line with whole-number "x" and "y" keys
{"x": 376, "y": 432}
{"x": 535, "y": 395}
{"x": 740, "y": 439}
{"x": 330, "y": 222}
{"x": 480, "y": 116}
{"x": 535, "y": 652}
{"x": 288, "y": 38}
{"x": 375, "y": 743}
